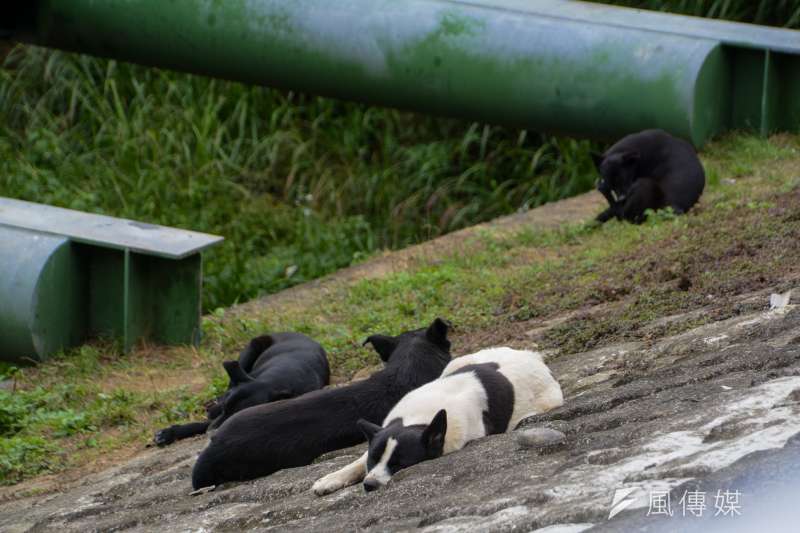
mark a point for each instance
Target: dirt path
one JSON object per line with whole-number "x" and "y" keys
{"x": 571, "y": 210}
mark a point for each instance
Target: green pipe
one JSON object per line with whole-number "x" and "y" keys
{"x": 41, "y": 291}
{"x": 549, "y": 65}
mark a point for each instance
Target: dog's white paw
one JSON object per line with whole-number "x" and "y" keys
{"x": 328, "y": 484}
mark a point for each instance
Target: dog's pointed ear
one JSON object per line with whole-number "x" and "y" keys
{"x": 383, "y": 344}
{"x": 437, "y": 333}
{"x": 433, "y": 436}
{"x": 236, "y": 373}
{"x": 368, "y": 428}
{"x": 597, "y": 159}
{"x": 631, "y": 158}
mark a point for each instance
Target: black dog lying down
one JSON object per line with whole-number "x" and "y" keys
{"x": 649, "y": 170}
{"x": 264, "y": 439}
{"x": 271, "y": 368}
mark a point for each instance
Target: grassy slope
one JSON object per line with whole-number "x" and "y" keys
{"x": 92, "y": 405}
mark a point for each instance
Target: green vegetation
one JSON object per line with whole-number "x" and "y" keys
{"x": 299, "y": 186}
{"x": 86, "y": 405}
{"x": 784, "y": 13}
{"x": 494, "y": 284}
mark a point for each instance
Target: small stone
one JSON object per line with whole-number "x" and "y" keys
{"x": 778, "y": 302}
{"x": 541, "y": 438}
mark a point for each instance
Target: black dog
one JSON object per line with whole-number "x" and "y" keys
{"x": 649, "y": 170}
{"x": 271, "y": 368}
{"x": 264, "y": 439}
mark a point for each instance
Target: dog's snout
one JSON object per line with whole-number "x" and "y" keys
{"x": 370, "y": 485}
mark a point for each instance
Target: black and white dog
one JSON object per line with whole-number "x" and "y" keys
{"x": 480, "y": 394}
{"x": 649, "y": 170}
{"x": 271, "y": 368}
{"x": 264, "y": 439}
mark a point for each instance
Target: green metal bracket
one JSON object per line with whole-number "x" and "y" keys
{"x": 768, "y": 96}
{"x": 765, "y": 90}
{"x": 67, "y": 275}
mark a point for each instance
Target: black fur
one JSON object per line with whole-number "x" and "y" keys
{"x": 499, "y": 393}
{"x": 271, "y": 368}
{"x": 415, "y": 443}
{"x": 410, "y": 449}
{"x": 649, "y": 170}
{"x": 264, "y": 439}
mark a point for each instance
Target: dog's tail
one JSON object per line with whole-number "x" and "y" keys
{"x": 251, "y": 353}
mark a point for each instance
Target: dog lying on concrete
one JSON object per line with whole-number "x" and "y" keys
{"x": 480, "y": 394}
{"x": 271, "y": 368}
{"x": 261, "y": 440}
{"x": 648, "y": 170}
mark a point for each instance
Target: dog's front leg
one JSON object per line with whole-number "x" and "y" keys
{"x": 177, "y": 432}
{"x": 349, "y": 475}
{"x": 614, "y": 206}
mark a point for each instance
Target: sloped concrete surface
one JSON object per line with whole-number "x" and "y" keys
{"x": 712, "y": 409}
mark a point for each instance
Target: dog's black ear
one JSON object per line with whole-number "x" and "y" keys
{"x": 235, "y": 372}
{"x": 368, "y": 428}
{"x": 383, "y": 344}
{"x": 597, "y": 159}
{"x": 437, "y": 333}
{"x": 631, "y": 158}
{"x": 433, "y": 436}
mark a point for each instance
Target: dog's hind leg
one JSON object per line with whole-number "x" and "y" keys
{"x": 177, "y": 432}
{"x": 645, "y": 194}
{"x": 349, "y": 475}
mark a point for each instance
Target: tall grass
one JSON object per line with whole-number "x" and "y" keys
{"x": 298, "y": 185}
{"x": 784, "y": 13}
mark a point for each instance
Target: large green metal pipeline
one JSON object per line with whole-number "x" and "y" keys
{"x": 551, "y": 65}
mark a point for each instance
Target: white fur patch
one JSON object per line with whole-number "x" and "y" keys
{"x": 380, "y": 472}
{"x": 464, "y": 398}
{"x": 535, "y": 390}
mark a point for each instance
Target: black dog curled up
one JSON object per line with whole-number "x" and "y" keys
{"x": 648, "y": 170}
